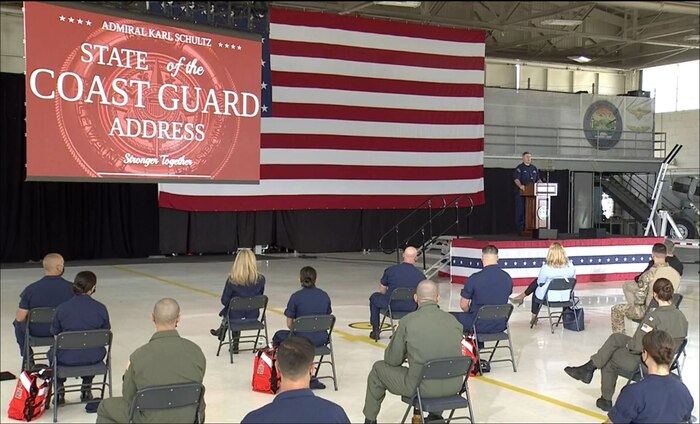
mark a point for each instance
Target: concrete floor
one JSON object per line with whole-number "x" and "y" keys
{"x": 539, "y": 392}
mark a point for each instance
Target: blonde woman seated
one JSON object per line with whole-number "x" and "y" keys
{"x": 557, "y": 265}
{"x": 243, "y": 281}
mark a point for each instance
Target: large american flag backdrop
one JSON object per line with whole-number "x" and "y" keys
{"x": 359, "y": 114}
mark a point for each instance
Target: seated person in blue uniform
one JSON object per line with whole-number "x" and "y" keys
{"x": 295, "y": 402}
{"x": 661, "y": 397}
{"x": 310, "y": 300}
{"x": 49, "y": 292}
{"x": 80, "y": 313}
{"x": 523, "y": 174}
{"x": 490, "y": 286}
{"x": 557, "y": 265}
{"x": 243, "y": 280}
{"x": 404, "y": 274}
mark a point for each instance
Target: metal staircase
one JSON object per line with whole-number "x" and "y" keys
{"x": 434, "y": 249}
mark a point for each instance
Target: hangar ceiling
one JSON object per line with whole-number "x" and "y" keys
{"x": 613, "y": 34}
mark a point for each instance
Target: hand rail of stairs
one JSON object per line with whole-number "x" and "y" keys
{"x": 432, "y": 238}
{"x": 395, "y": 229}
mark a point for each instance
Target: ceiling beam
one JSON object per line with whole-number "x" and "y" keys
{"x": 550, "y": 12}
{"x": 361, "y": 5}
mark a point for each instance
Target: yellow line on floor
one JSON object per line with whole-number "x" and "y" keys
{"x": 345, "y": 335}
{"x": 544, "y": 398}
{"x": 367, "y": 340}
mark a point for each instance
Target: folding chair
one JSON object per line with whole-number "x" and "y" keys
{"x": 313, "y": 323}
{"x": 241, "y": 304}
{"x": 443, "y": 369}
{"x": 677, "y": 364}
{"x": 36, "y": 316}
{"x": 81, "y": 340}
{"x": 494, "y": 313}
{"x": 676, "y": 301}
{"x": 400, "y": 293}
{"x": 560, "y": 294}
{"x": 170, "y": 396}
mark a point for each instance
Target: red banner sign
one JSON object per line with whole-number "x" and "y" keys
{"x": 129, "y": 100}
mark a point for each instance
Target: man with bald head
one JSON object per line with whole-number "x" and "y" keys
{"x": 166, "y": 359}
{"x": 50, "y": 291}
{"x": 426, "y": 334}
{"x": 404, "y": 274}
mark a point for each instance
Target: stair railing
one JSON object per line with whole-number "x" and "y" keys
{"x": 431, "y": 238}
{"x": 395, "y": 229}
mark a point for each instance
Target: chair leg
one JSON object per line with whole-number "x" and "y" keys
{"x": 230, "y": 344}
{"x": 537, "y": 316}
{"x": 318, "y": 367}
{"x": 55, "y": 399}
{"x": 469, "y": 404}
{"x": 257, "y": 337}
{"x": 549, "y": 315}
{"x": 379, "y": 330}
{"x": 493, "y": 351}
{"x": 403, "y": 420}
{"x": 510, "y": 348}
{"x": 335, "y": 377}
{"x": 449, "y": 418}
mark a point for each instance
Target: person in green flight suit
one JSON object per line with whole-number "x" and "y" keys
{"x": 417, "y": 341}
{"x": 166, "y": 359}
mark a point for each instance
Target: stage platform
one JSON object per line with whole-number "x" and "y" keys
{"x": 596, "y": 260}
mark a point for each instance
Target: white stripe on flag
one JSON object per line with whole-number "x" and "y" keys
{"x": 323, "y": 96}
{"x": 329, "y": 187}
{"x": 341, "y": 37}
{"x": 368, "y": 129}
{"x": 368, "y": 158}
{"x": 313, "y": 65}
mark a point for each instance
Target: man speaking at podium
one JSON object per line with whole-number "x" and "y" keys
{"x": 524, "y": 174}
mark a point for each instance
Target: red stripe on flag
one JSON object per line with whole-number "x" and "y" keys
{"x": 344, "y": 142}
{"x": 352, "y": 172}
{"x": 361, "y": 54}
{"x": 375, "y": 85}
{"x": 377, "y": 26}
{"x": 371, "y": 114}
{"x": 298, "y": 202}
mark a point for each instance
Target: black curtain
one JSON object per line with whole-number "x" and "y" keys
{"x": 77, "y": 220}
{"x": 348, "y": 230}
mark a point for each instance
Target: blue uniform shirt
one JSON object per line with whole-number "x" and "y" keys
{"x": 82, "y": 312}
{"x": 298, "y": 406}
{"x": 490, "y": 286}
{"x": 526, "y": 174}
{"x": 50, "y": 291}
{"x": 310, "y": 301}
{"x": 235, "y": 290}
{"x": 402, "y": 275}
{"x": 656, "y": 399}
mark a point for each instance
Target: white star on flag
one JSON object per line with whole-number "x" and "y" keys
{"x": 226, "y": 46}
{"x": 221, "y": 44}
{"x": 80, "y": 21}
{"x": 238, "y": 47}
{"x": 262, "y": 40}
{"x": 88, "y": 23}
{"x": 263, "y": 63}
{"x": 263, "y": 85}
{"x": 62, "y": 18}
{"x": 233, "y": 46}
{"x": 71, "y": 20}
{"x": 264, "y": 108}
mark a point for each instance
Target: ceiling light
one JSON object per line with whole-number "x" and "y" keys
{"x": 580, "y": 59}
{"x": 562, "y": 22}
{"x": 413, "y": 4}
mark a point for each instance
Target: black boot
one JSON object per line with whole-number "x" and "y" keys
{"x": 583, "y": 373}
{"x": 219, "y": 333}
{"x": 374, "y": 334}
{"x": 86, "y": 390}
{"x": 604, "y": 404}
{"x": 368, "y": 421}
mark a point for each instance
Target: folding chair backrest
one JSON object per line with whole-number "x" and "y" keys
{"x": 444, "y": 368}
{"x": 560, "y": 290}
{"x": 494, "y": 312}
{"x": 679, "y": 352}
{"x": 41, "y": 316}
{"x": 167, "y": 397}
{"x": 402, "y": 293}
{"x": 313, "y": 323}
{"x": 248, "y": 303}
{"x": 90, "y": 339}
{"x": 677, "y": 299}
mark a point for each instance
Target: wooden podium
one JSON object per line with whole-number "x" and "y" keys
{"x": 538, "y": 205}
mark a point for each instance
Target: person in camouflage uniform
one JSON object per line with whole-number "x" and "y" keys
{"x": 639, "y": 293}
